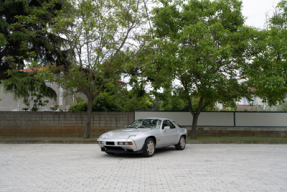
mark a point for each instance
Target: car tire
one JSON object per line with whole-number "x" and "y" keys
{"x": 109, "y": 153}
{"x": 149, "y": 148}
{"x": 181, "y": 144}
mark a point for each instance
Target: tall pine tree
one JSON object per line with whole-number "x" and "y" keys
{"x": 24, "y": 35}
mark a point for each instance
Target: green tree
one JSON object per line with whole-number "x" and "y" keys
{"x": 102, "y": 34}
{"x": 26, "y": 42}
{"x": 199, "y": 48}
{"x": 24, "y": 35}
{"x": 268, "y": 71}
{"x": 115, "y": 101}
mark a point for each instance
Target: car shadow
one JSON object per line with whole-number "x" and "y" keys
{"x": 131, "y": 155}
{"x": 165, "y": 150}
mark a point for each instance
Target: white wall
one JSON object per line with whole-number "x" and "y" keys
{"x": 261, "y": 119}
{"x": 185, "y": 118}
{"x": 242, "y": 119}
{"x": 9, "y": 104}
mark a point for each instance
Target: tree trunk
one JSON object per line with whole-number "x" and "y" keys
{"x": 194, "y": 126}
{"x": 88, "y": 120}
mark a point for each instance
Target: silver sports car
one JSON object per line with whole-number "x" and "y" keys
{"x": 144, "y": 136}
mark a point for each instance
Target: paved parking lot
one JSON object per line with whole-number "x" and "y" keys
{"x": 82, "y": 167}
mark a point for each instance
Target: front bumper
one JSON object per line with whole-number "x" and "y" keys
{"x": 118, "y": 150}
{"x": 113, "y": 146}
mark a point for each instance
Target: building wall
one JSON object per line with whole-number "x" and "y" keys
{"x": 8, "y": 103}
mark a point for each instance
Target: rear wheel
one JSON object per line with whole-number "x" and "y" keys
{"x": 181, "y": 143}
{"x": 149, "y": 148}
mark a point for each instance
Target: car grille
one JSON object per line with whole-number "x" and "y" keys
{"x": 110, "y": 143}
{"x": 114, "y": 149}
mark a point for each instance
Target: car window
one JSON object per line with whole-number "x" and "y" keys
{"x": 167, "y": 123}
{"x": 158, "y": 124}
{"x": 178, "y": 124}
{"x": 145, "y": 123}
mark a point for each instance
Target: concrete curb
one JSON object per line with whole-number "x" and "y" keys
{"x": 95, "y": 142}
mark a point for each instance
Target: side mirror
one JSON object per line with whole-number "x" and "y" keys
{"x": 166, "y": 128}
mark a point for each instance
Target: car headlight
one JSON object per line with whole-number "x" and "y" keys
{"x": 125, "y": 143}
{"x": 101, "y": 142}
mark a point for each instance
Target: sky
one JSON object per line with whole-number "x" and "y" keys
{"x": 255, "y": 11}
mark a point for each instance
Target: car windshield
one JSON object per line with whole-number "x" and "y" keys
{"x": 145, "y": 123}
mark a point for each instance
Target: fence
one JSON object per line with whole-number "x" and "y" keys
{"x": 209, "y": 124}
{"x": 222, "y": 118}
{"x": 60, "y": 123}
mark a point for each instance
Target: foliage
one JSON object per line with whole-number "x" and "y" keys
{"x": 24, "y": 35}
{"x": 36, "y": 98}
{"x": 25, "y": 109}
{"x": 102, "y": 35}
{"x": 201, "y": 45}
{"x": 283, "y": 107}
{"x": 268, "y": 71}
{"x": 100, "y": 103}
{"x": 226, "y": 109}
{"x": 54, "y": 108}
{"x": 115, "y": 101}
{"x": 26, "y": 41}
{"x": 266, "y": 108}
{"x": 172, "y": 102}
{"x": 132, "y": 102}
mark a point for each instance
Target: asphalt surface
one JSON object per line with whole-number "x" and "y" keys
{"x": 83, "y": 167}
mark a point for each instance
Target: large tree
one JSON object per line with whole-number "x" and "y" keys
{"x": 103, "y": 35}
{"x": 26, "y": 41}
{"x": 23, "y": 34}
{"x": 199, "y": 49}
{"x": 268, "y": 70}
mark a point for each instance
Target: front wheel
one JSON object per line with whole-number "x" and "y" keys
{"x": 149, "y": 148}
{"x": 181, "y": 143}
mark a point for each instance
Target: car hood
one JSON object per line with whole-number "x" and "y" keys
{"x": 123, "y": 133}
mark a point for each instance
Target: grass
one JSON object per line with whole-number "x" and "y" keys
{"x": 238, "y": 139}
{"x": 47, "y": 138}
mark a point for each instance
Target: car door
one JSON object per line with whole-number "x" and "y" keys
{"x": 169, "y": 136}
